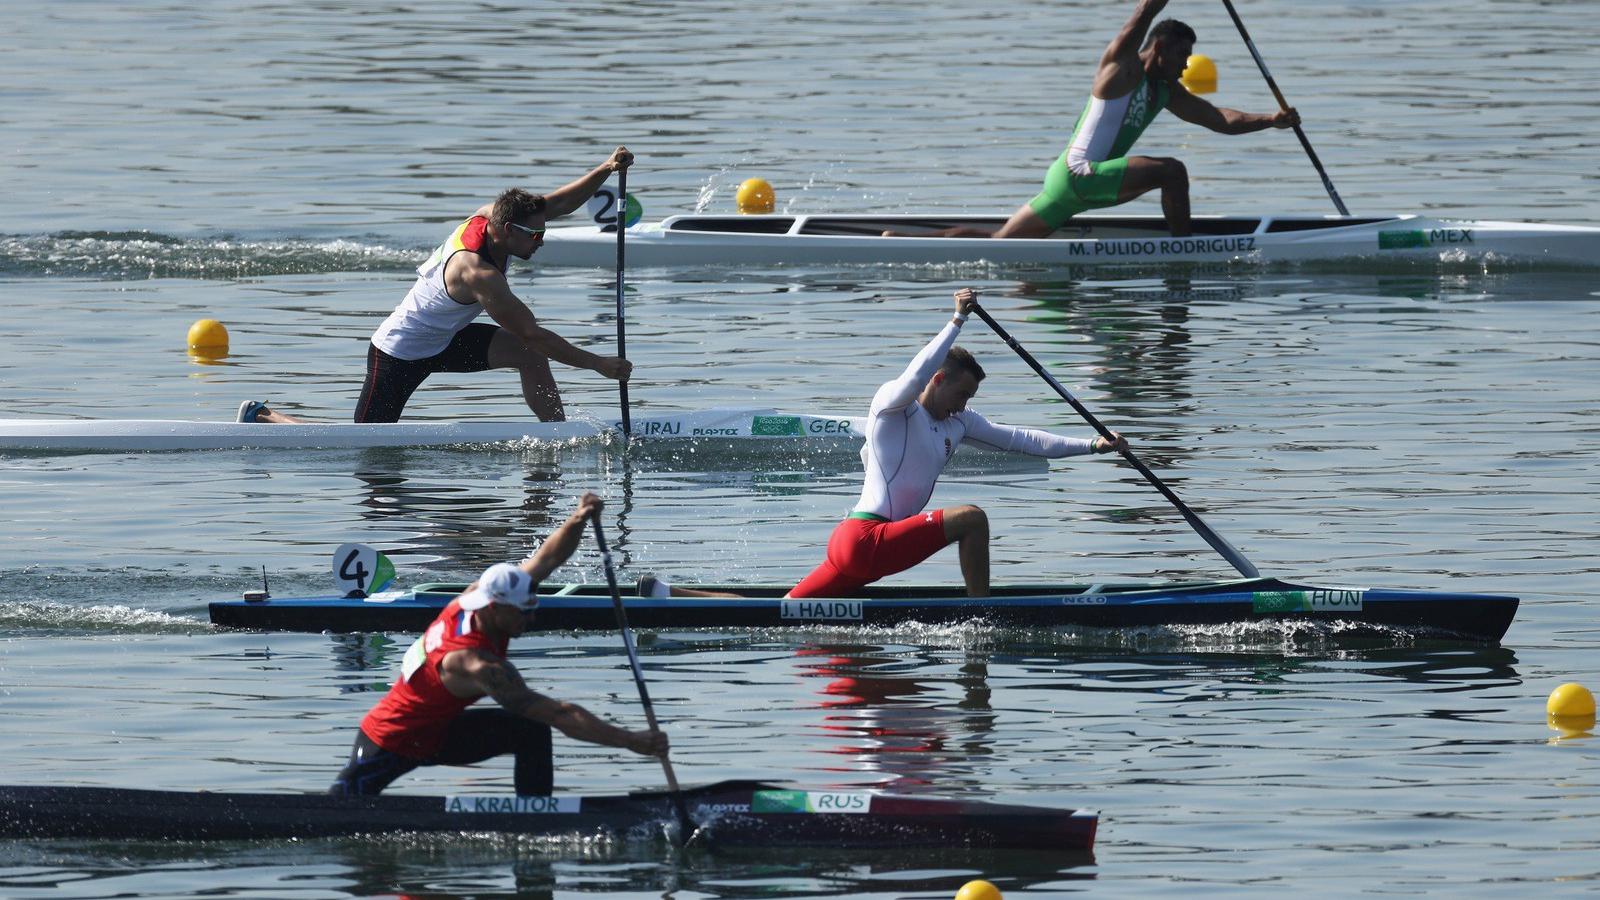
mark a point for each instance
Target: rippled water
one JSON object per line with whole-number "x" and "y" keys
{"x": 278, "y": 166}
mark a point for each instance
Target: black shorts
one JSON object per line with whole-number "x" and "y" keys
{"x": 474, "y": 736}
{"x": 391, "y": 381}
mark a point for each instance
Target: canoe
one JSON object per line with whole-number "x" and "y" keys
{"x": 729, "y": 813}
{"x": 170, "y": 434}
{"x": 721, "y": 240}
{"x": 1476, "y": 617}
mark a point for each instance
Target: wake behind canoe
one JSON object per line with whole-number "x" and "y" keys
{"x": 729, "y": 813}
{"x": 1475, "y": 617}
{"x": 713, "y": 240}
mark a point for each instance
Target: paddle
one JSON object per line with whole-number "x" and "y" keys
{"x": 622, "y": 331}
{"x": 1218, "y": 543}
{"x": 686, "y": 825}
{"x": 1284, "y": 104}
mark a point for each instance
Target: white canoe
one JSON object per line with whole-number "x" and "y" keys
{"x": 167, "y": 434}
{"x": 722, "y": 240}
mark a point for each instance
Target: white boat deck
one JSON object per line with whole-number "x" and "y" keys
{"x": 809, "y": 239}
{"x": 732, "y": 424}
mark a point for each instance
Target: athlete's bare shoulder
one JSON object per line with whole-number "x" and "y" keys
{"x": 470, "y": 278}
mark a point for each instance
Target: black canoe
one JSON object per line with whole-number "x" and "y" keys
{"x": 728, "y": 813}
{"x": 1475, "y": 617}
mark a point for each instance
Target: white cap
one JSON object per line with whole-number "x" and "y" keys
{"x": 502, "y": 583}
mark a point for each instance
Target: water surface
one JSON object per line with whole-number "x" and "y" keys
{"x": 279, "y": 167}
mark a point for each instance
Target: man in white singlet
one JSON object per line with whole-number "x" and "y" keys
{"x": 432, "y": 330}
{"x": 915, "y": 424}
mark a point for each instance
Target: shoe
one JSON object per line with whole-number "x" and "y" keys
{"x": 250, "y": 409}
{"x": 654, "y": 586}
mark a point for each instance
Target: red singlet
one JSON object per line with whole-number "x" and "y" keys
{"x": 861, "y": 551}
{"x": 411, "y": 720}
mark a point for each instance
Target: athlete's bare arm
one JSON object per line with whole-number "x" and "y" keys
{"x": 567, "y": 198}
{"x": 561, "y": 543}
{"x": 475, "y": 279}
{"x": 471, "y": 673}
{"x": 1198, "y": 111}
{"x": 1120, "y": 67}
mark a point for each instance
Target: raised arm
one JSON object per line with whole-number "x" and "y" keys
{"x": 1198, "y": 111}
{"x": 899, "y": 393}
{"x": 561, "y": 543}
{"x": 563, "y": 200}
{"x": 1120, "y": 66}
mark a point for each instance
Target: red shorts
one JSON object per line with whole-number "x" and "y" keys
{"x": 862, "y": 551}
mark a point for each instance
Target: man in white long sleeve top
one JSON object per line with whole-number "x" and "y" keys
{"x": 915, "y": 425}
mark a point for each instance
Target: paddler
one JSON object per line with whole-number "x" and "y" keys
{"x": 432, "y": 330}
{"x": 914, "y": 426}
{"x": 424, "y": 720}
{"x": 1138, "y": 77}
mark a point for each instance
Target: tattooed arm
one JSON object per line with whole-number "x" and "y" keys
{"x": 468, "y": 673}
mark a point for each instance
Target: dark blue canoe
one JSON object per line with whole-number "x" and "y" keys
{"x": 1476, "y": 617}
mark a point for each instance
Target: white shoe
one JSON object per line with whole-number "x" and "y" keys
{"x": 654, "y": 586}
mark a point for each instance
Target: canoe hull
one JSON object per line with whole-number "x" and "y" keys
{"x": 719, "y": 241}
{"x": 1478, "y": 617}
{"x": 733, "y": 813}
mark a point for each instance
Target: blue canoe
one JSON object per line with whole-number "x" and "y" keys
{"x": 1477, "y": 617}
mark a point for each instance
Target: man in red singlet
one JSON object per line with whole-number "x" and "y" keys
{"x": 461, "y": 658}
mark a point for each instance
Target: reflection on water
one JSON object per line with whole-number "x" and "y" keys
{"x": 429, "y": 867}
{"x": 1137, "y": 331}
{"x": 895, "y": 720}
{"x": 447, "y": 515}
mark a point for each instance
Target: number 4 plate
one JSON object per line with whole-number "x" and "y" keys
{"x": 360, "y": 570}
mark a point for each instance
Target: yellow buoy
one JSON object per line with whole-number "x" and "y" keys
{"x": 1570, "y": 699}
{"x": 978, "y": 890}
{"x": 208, "y": 334}
{"x": 1570, "y": 711}
{"x": 1200, "y": 76}
{"x": 755, "y": 197}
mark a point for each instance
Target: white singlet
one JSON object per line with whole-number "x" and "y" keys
{"x": 907, "y": 448}
{"x": 428, "y": 318}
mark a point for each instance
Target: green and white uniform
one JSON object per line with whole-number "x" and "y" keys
{"x": 1088, "y": 175}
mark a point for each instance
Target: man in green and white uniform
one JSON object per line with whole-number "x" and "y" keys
{"x": 1134, "y": 83}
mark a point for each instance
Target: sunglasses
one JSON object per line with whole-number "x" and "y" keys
{"x": 536, "y": 233}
